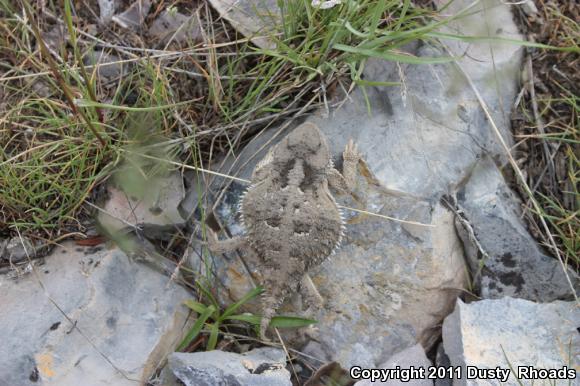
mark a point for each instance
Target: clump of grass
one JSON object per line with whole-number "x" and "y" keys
{"x": 213, "y": 321}
{"x": 50, "y": 160}
{"x": 45, "y": 182}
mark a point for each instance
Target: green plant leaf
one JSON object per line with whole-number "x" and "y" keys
{"x": 248, "y": 318}
{"x": 87, "y": 103}
{"x": 213, "y": 336}
{"x": 208, "y": 294}
{"x": 196, "y": 306}
{"x": 277, "y": 321}
{"x": 198, "y": 325}
{"x": 247, "y": 297}
{"x": 497, "y": 39}
{"x": 291, "y": 322}
{"x": 364, "y": 82}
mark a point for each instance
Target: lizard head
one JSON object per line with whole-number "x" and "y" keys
{"x": 306, "y": 143}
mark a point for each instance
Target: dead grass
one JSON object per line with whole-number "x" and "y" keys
{"x": 66, "y": 123}
{"x": 547, "y": 123}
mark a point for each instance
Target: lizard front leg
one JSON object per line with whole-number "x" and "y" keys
{"x": 345, "y": 182}
{"x": 223, "y": 246}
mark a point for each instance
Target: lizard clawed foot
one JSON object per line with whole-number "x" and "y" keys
{"x": 351, "y": 153}
{"x": 212, "y": 238}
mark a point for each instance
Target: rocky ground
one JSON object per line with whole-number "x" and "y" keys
{"x": 438, "y": 266}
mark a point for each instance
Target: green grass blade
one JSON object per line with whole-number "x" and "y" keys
{"x": 207, "y": 293}
{"x": 277, "y": 321}
{"x": 391, "y": 56}
{"x": 195, "y": 330}
{"x": 291, "y": 322}
{"x": 497, "y": 39}
{"x": 248, "y": 318}
{"x": 213, "y": 336}
{"x": 196, "y": 306}
{"x": 87, "y": 103}
{"x": 364, "y": 82}
{"x": 247, "y": 297}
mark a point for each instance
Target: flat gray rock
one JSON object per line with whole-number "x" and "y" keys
{"x": 174, "y": 27}
{"x": 16, "y": 250}
{"x": 260, "y": 367}
{"x": 107, "y": 9}
{"x": 121, "y": 320}
{"x": 108, "y": 66}
{"x": 134, "y": 16}
{"x": 256, "y": 19}
{"x": 148, "y": 204}
{"x": 512, "y": 332}
{"x": 507, "y": 261}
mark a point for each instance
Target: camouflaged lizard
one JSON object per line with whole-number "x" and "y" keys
{"x": 291, "y": 219}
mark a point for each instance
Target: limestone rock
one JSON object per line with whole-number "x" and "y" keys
{"x": 16, "y": 250}
{"x": 259, "y": 367}
{"x": 154, "y": 211}
{"x": 108, "y": 68}
{"x": 512, "y": 332}
{"x": 255, "y": 19}
{"x": 134, "y": 16}
{"x": 89, "y": 314}
{"x": 106, "y": 10}
{"x": 513, "y": 264}
{"x": 174, "y": 26}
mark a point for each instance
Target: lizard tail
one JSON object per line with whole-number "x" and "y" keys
{"x": 264, "y": 327}
{"x": 270, "y": 305}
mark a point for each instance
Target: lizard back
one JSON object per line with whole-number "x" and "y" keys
{"x": 289, "y": 212}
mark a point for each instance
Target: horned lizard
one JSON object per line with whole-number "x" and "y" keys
{"x": 291, "y": 219}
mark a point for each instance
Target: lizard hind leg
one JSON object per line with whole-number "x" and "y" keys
{"x": 310, "y": 293}
{"x": 272, "y": 299}
{"x": 271, "y": 303}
